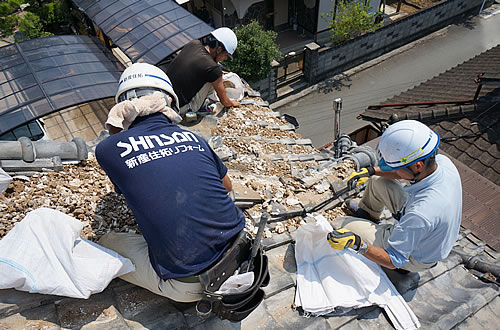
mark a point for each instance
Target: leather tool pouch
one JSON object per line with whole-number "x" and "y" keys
{"x": 236, "y": 306}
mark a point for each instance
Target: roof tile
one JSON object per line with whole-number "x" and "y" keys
{"x": 481, "y": 153}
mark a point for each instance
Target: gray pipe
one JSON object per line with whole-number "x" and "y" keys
{"x": 474, "y": 262}
{"x": 28, "y": 151}
{"x": 363, "y": 156}
{"x": 343, "y": 144}
{"x": 337, "y": 108}
{"x": 38, "y": 165}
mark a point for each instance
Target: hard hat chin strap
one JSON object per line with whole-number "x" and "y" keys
{"x": 416, "y": 176}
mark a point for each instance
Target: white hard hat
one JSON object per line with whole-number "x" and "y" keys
{"x": 141, "y": 79}
{"x": 227, "y": 37}
{"x": 405, "y": 143}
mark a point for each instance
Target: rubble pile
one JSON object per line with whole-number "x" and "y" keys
{"x": 274, "y": 161}
{"x": 82, "y": 191}
{"x": 265, "y": 156}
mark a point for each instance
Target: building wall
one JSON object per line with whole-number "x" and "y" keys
{"x": 280, "y": 12}
{"x": 268, "y": 86}
{"x": 322, "y": 62}
{"x": 325, "y": 6}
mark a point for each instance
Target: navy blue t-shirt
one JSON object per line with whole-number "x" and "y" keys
{"x": 172, "y": 181}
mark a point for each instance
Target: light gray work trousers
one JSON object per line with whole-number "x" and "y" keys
{"x": 197, "y": 100}
{"x": 134, "y": 247}
{"x": 380, "y": 193}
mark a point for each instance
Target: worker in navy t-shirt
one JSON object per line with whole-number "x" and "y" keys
{"x": 177, "y": 189}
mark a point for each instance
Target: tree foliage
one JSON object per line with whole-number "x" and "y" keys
{"x": 34, "y": 18}
{"x": 256, "y": 50}
{"x": 351, "y": 19}
{"x": 30, "y": 24}
{"x": 8, "y": 19}
{"x": 51, "y": 14}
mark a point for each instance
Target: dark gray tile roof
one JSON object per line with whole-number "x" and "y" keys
{"x": 445, "y": 296}
{"x": 471, "y": 131}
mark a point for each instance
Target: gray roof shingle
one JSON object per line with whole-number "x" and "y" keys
{"x": 470, "y": 131}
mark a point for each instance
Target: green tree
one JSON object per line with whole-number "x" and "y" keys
{"x": 256, "y": 50}
{"x": 8, "y": 19}
{"x": 52, "y": 14}
{"x": 36, "y": 19}
{"x": 352, "y": 19}
{"x": 30, "y": 24}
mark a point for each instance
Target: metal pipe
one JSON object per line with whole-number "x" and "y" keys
{"x": 363, "y": 156}
{"x": 475, "y": 262}
{"x": 343, "y": 144}
{"x": 482, "y": 6}
{"x": 337, "y": 107}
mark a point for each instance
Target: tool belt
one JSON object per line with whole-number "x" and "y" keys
{"x": 235, "y": 306}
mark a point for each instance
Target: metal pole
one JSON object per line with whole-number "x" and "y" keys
{"x": 337, "y": 107}
{"x": 482, "y": 6}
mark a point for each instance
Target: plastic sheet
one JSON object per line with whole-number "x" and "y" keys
{"x": 329, "y": 280}
{"x": 5, "y": 180}
{"x": 44, "y": 254}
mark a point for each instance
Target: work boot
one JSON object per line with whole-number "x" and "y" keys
{"x": 402, "y": 271}
{"x": 205, "y": 108}
{"x": 354, "y": 210}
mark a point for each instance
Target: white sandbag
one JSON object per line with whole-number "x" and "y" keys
{"x": 233, "y": 86}
{"x": 329, "y": 279}
{"x": 5, "y": 180}
{"x": 44, "y": 254}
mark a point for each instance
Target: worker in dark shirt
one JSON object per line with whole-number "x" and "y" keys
{"x": 177, "y": 189}
{"x": 195, "y": 73}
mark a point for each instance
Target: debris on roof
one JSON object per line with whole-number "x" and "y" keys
{"x": 272, "y": 168}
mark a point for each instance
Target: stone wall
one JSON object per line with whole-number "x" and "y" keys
{"x": 322, "y": 62}
{"x": 267, "y": 87}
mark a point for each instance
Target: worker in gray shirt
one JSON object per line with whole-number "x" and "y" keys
{"x": 428, "y": 212}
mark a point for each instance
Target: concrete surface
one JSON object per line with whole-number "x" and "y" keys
{"x": 389, "y": 75}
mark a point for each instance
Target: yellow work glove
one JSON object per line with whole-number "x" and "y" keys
{"x": 358, "y": 178}
{"x": 343, "y": 239}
